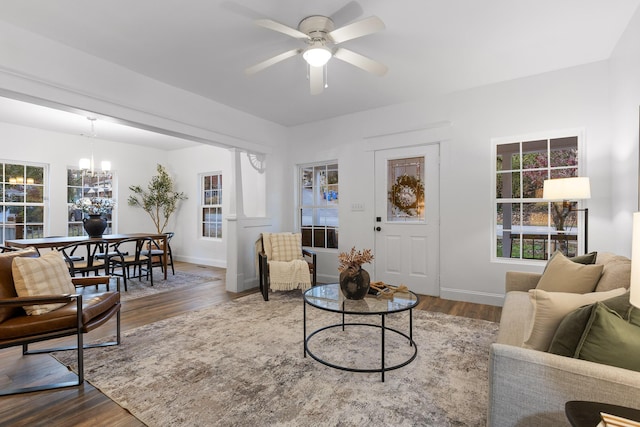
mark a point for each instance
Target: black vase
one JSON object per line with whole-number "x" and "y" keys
{"x": 354, "y": 283}
{"x": 94, "y": 225}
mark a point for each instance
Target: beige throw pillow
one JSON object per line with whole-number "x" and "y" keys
{"x": 46, "y": 275}
{"x": 564, "y": 275}
{"x": 549, "y": 308}
{"x": 286, "y": 246}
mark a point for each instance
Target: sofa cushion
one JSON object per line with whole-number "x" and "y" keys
{"x": 7, "y": 287}
{"x": 610, "y": 340}
{"x": 549, "y": 308}
{"x": 286, "y": 246}
{"x": 563, "y": 275}
{"x": 570, "y": 330}
{"x": 46, "y": 275}
{"x": 616, "y": 272}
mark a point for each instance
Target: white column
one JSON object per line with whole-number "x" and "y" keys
{"x": 234, "y": 274}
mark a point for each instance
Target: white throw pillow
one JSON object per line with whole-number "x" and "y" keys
{"x": 549, "y": 308}
{"x": 46, "y": 275}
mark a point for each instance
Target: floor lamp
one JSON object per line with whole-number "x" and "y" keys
{"x": 568, "y": 190}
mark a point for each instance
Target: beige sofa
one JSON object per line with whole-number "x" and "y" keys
{"x": 530, "y": 387}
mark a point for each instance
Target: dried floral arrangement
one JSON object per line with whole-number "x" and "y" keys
{"x": 354, "y": 259}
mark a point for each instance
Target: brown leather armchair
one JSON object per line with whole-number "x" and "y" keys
{"x": 79, "y": 315}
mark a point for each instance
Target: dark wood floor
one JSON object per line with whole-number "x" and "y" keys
{"x": 85, "y": 405}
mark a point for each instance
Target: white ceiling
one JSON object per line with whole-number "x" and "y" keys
{"x": 430, "y": 46}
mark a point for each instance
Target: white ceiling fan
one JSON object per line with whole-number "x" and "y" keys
{"x": 319, "y": 34}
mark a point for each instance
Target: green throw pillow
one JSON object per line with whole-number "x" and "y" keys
{"x": 569, "y": 332}
{"x": 586, "y": 259}
{"x": 610, "y": 340}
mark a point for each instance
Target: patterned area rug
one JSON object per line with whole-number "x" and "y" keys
{"x": 141, "y": 288}
{"x": 241, "y": 364}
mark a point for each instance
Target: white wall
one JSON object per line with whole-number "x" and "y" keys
{"x": 186, "y": 165}
{"x": 625, "y": 106}
{"x": 61, "y": 150}
{"x": 566, "y": 99}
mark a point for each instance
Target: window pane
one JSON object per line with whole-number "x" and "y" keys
{"x": 35, "y": 175}
{"x": 318, "y": 205}
{"x": 564, "y": 173}
{"x": 35, "y": 214}
{"x": 564, "y": 151}
{"x": 318, "y": 238}
{"x": 533, "y": 183}
{"x": 332, "y": 238}
{"x": 35, "y": 193}
{"x": 534, "y": 154}
{"x": 504, "y": 155}
{"x": 306, "y": 217}
{"x": 307, "y": 237}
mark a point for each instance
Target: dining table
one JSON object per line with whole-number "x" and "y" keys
{"x": 60, "y": 241}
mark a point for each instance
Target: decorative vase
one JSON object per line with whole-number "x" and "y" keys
{"x": 94, "y": 225}
{"x": 354, "y": 283}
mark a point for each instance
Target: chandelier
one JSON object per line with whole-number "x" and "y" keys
{"x": 87, "y": 165}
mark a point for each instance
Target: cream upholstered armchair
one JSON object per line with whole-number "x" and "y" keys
{"x": 284, "y": 264}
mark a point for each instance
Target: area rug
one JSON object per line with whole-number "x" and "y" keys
{"x": 242, "y": 363}
{"x": 141, "y": 288}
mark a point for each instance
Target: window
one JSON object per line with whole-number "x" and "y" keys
{"x": 318, "y": 210}
{"x": 212, "y": 205}
{"x": 87, "y": 185}
{"x": 526, "y": 226}
{"x": 22, "y": 207}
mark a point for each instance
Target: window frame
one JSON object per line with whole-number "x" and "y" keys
{"x": 44, "y": 205}
{"x": 579, "y": 205}
{"x": 219, "y": 236}
{"x": 333, "y": 240}
{"x": 111, "y": 193}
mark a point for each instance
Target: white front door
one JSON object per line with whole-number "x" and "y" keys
{"x": 407, "y": 219}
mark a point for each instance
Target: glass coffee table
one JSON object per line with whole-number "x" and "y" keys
{"x": 329, "y": 298}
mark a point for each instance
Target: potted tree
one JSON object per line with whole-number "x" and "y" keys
{"x": 159, "y": 199}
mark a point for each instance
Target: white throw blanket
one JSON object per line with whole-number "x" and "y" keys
{"x": 286, "y": 276}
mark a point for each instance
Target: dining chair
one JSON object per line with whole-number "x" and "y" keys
{"x": 130, "y": 253}
{"x": 156, "y": 252}
{"x": 81, "y": 257}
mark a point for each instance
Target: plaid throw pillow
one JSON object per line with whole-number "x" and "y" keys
{"x": 286, "y": 246}
{"x": 46, "y": 275}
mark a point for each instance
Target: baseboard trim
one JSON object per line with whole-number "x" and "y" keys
{"x": 472, "y": 296}
{"x": 202, "y": 261}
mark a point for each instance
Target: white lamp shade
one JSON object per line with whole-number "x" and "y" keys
{"x": 635, "y": 262}
{"x": 317, "y": 56}
{"x": 84, "y": 164}
{"x": 575, "y": 188}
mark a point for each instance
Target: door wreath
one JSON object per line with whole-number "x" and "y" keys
{"x": 407, "y": 194}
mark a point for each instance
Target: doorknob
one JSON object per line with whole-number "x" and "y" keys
{"x": 378, "y": 228}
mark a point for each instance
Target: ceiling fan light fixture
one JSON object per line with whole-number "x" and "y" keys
{"x": 317, "y": 55}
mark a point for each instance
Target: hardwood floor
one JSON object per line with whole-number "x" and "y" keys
{"x": 87, "y": 406}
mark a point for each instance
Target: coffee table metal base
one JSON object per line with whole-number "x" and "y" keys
{"x": 383, "y": 330}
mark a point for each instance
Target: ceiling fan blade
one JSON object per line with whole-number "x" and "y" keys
{"x": 347, "y": 13}
{"x": 316, "y": 80}
{"x": 361, "y": 61}
{"x": 271, "y": 61}
{"x": 281, "y": 28}
{"x": 357, "y": 29}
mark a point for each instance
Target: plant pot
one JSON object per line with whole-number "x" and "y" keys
{"x": 354, "y": 283}
{"x": 94, "y": 225}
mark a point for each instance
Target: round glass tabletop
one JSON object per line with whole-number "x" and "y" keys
{"x": 329, "y": 297}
